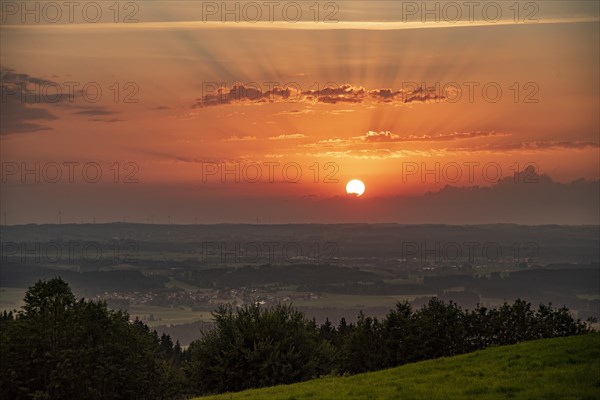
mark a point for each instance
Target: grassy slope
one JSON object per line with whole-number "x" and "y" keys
{"x": 561, "y": 368}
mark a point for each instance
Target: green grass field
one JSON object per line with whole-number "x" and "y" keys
{"x": 561, "y": 368}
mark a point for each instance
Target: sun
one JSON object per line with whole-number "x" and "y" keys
{"x": 355, "y": 187}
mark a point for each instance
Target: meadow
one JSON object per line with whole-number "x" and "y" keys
{"x": 558, "y": 368}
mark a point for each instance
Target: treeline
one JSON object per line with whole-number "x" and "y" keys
{"x": 256, "y": 347}
{"x": 58, "y": 347}
{"x": 568, "y": 281}
{"x": 89, "y": 282}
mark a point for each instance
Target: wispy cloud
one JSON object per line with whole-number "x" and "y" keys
{"x": 386, "y": 136}
{"x": 240, "y": 138}
{"x": 95, "y": 111}
{"x": 372, "y": 154}
{"x": 384, "y": 144}
{"x": 288, "y": 136}
{"x": 299, "y": 25}
{"x": 296, "y": 112}
{"x": 533, "y": 146}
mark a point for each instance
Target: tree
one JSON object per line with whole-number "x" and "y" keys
{"x": 399, "y": 335}
{"x": 256, "y": 347}
{"x": 60, "y": 348}
{"x": 362, "y": 348}
{"x": 439, "y": 330}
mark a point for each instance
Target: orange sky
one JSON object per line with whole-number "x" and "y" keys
{"x": 377, "y": 126}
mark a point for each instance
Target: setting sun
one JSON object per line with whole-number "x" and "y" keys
{"x": 355, "y": 187}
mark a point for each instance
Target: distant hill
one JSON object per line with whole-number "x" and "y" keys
{"x": 560, "y": 368}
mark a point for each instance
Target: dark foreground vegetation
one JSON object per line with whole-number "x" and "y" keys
{"x": 58, "y": 347}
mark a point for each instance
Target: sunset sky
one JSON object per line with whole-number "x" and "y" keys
{"x": 380, "y": 95}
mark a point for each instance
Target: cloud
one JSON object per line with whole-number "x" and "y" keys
{"x": 245, "y": 93}
{"x": 17, "y": 117}
{"x": 332, "y": 141}
{"x": 24, "y": 82}
{"x": 346, "y": 93}
{"x": 386, "y": 136}
{"x": 389, "y": 137}
{"x": 535, "y": 146}
{"x": 296, "y": 112}
{"x": 110, "y": 121}
{"x": 338, "y": 112}
{"x": 16, "y": 95}
{"x": 371, "y": 154}
{"x": 240, "y": 138}
{"x": 379, "y": 137}
{"x": 95, "y": 111}
{"x": 356, "y": 144}
{"x": 26, "y": 101}
{"x": 177, "y": 158}
{"x": 328, "y": 143}
{"x": 288, "y": 137}
{"x": 523, "y": 197}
